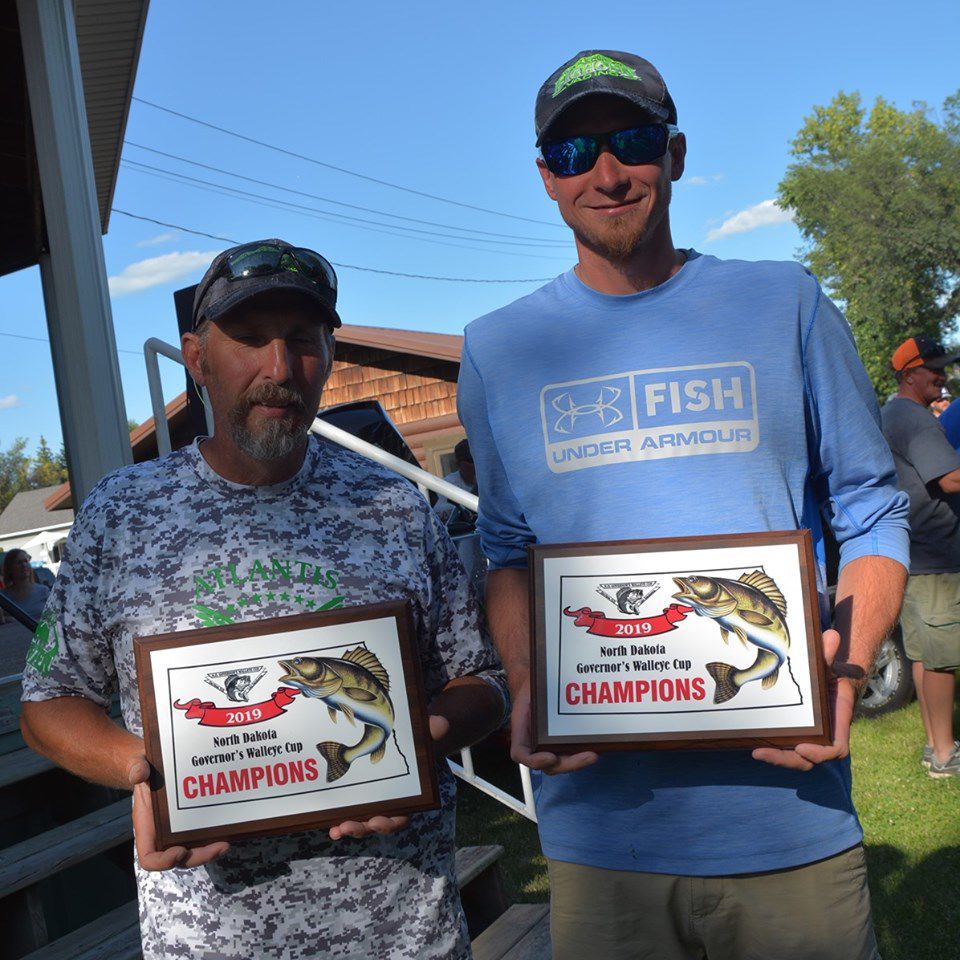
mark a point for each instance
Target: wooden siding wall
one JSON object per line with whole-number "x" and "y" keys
{"x": 410, "y": 388}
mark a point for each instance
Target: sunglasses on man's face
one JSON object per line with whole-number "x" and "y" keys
{"x": 633, "y": 146}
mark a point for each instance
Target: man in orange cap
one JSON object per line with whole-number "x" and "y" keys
{"x": 929, "y": 471}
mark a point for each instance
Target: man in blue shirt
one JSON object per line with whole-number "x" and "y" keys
{"x": 652, "y": 391}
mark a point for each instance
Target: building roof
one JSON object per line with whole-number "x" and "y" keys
{"x": 143, "y": 443}
{"x": 26, "y": 511}
{"x": 143, "y": 440}
{"x": 439, "y": 346}
{"x": 109, "y": 35}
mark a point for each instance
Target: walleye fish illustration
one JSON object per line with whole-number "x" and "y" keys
{"x": 754, "y": 609}
{"x": 355, "y": 685}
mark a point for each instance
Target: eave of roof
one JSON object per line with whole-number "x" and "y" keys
{"x": 142, "y": 439}
{"x": 109, "y": 37}
{"x": 439, "y": 346}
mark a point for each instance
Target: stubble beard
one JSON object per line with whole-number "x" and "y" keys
{"x": 624, "y": 237}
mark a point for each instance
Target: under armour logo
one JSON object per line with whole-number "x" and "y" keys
{"x": 603, "y": 407}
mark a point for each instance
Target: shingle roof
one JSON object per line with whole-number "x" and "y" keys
{"x": 440, "y": 346}
{"x": 27, "y": 512}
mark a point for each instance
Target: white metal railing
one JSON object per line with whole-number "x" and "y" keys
{"x": 154, "y": 348}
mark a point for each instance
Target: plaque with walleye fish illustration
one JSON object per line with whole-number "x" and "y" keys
{"x": 296, "y": 723}
{"x": 689, "y": 642}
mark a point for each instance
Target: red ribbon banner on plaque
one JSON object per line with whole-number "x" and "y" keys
{"x": 599, "y": 625}
{"x": 240, "y": 715}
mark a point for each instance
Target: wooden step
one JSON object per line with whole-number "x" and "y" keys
{"x": 21, "y": 765}
{"x": 482, "y": 892}
{"x": 522, "y": 933}
{"x": 30, "y": 861}
{"x": 117, "y": 934}
{"x": 114, "y": 936}
{"x": 471, "y": 862}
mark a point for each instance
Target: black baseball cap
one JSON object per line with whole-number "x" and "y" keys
{"x": 221, "y": 289}
{"x": 618, "y": 74}
{"x": 921, "y": 352}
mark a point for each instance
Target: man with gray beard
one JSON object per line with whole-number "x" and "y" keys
{"x": 258, "y": 521}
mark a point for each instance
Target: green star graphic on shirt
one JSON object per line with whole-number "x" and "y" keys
{"x": 256, "y": 598}
{"x": 311, "y": 603}
{"x": 243, "y": 601}
{"x": 284, "y": 596}
{"x": 271, "y": 596}
{"x": 231, "y": 609}
{"x": 298, "y": 599}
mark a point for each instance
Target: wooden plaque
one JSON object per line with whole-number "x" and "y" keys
{"x": 295, "y": 723}
{"x": 689, "y": 642}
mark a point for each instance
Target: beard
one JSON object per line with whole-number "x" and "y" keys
{"x": 620, "y": 239}
{"x": 276, "y": 437}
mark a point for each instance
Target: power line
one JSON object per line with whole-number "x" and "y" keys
{"x": 20, "y": 336}
{"x": 341, "y": 203}
{"x": 343, "y": 266}
{"x": 324, "y": 214}
{"x": 330, "y": 166}
{"x": 276, "y": 203}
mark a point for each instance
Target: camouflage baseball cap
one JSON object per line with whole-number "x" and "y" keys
{"x": 603, "y": 71}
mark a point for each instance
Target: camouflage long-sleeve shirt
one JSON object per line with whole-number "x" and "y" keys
{"x": 170, "y": 545}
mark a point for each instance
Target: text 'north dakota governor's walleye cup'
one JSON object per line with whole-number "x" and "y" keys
{"x": 689, "y": 642}
{"x": 290, "y": 724}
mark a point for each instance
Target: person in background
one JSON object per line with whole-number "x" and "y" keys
{"x": 464, "y": 477}
{"x": 929, "y": 471}
{"x": 950, "y": 421}
{"x": 940, "y": 405}
{"x": 20, "y": 583}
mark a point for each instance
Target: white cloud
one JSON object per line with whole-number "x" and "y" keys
{"x": 10, "y": 401}
{"x": 156, "y": 270}
{"x": 763, "y": 214}
{"x": 701, "y": 181}
{"x": 157, "y": 240}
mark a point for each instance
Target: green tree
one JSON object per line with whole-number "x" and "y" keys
{"x": 14, "y": 470}
{"x": 876, "y": 195}
{"x": 46, "y": 468}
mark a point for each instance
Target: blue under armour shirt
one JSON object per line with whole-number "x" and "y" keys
{"x": 728, "y": 399}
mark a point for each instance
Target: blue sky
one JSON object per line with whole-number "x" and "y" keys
{"x": 438, "y": 97}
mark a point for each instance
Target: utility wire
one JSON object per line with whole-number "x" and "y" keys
{"x": 343, "y": 266}
{"x": 390, "y": 229}
{"x": 20, "y": 336}
{"x": 146, "y": 167}
{"x": 340, "y": 203}
{"x": 330, "y": 166}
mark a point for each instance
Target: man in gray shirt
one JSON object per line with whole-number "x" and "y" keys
{"x": 259, "y": 521}
{"x": 929, "y": 471}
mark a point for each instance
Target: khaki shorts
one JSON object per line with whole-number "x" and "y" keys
{"x": 930, "y": 620}
{"x": 820, "y": 911}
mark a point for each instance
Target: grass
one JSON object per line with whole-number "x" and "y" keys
{"x": 910, "y": 821}
{"x": 911, "y": 825}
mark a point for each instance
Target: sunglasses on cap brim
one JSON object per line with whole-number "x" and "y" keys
{"x": 633, "y": 146}
{"x": 267, "y": 259}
